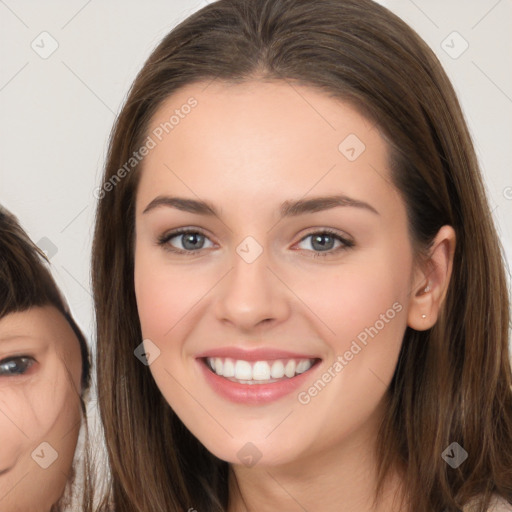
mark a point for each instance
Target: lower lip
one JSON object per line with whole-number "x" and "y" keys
{"x": 253, "y": 394}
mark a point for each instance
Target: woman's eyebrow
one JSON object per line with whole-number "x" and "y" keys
{"x": 288, "y": 208}
{"x": 15, "y": 337}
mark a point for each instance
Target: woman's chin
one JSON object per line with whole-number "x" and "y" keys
{"x": 261, "y": 453}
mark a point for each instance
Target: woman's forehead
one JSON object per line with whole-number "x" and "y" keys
{"x": 38, "y": 325}
{"x": 263, "y": 140}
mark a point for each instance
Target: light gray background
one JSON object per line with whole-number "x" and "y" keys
{"x": 57, "y": 112}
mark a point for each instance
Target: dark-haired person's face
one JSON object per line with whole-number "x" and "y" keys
{"x": 273, "y": 326}
{"x": 40, "y": 371}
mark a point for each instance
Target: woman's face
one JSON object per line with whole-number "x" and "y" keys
{"x": 304, "y": 326}
{"x": 40, "y": 371}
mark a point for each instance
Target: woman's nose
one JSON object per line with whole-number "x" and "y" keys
{"x": 252, "y": 294}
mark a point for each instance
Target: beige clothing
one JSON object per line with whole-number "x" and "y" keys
{"x": 498, "y": 504}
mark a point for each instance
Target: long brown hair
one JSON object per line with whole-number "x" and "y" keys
{"x": 452, "y": 383}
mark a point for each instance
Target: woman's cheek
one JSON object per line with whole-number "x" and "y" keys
{"x": 167, "y": 289}
{"x": 34, "y": 413}
{"x": 345, "y": 298}
{"x": 43, "y": 405}
{"x": 160, "y": 302}
{"x": 13, "y": 439}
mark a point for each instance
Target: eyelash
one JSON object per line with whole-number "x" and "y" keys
{"x": 29, "y": 361}
{"x": 164, "y": 241}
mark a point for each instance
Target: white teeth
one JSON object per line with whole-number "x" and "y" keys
{"x": 218, "y": 366}
{"x": 261, "y": 371}
{"x": 258, "y": 371}
{"x": 277, "y": 370}
{"x": 303, "y": 366}
{"x": 289, "y": 369}
{"x": 243, "y": 370}
{"x": 229, "y": 368}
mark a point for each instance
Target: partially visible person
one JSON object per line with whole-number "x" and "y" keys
{"x": 44, "y": 374}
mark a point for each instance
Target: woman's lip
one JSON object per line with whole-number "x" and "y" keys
{"x": 253, "y": 394}
{"x": 259, "y": 354}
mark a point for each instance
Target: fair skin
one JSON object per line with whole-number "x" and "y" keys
{"x": 246, "y": 149}
{"x": 40, "y": 372}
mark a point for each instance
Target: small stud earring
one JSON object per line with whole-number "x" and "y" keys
{"x": 423, "y": 316}
{"x": 427, "y": 288}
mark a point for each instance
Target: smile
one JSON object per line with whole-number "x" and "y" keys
{"x": 255, "y": 377}
{"x": 258, "y": 372}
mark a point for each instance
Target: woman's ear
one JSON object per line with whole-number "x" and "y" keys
{"x": 430, "y": 282}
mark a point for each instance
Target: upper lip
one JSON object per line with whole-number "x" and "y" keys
{"x": 258, "y": 354}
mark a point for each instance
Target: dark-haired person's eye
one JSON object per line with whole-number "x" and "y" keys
{"x": 18, "y": 365}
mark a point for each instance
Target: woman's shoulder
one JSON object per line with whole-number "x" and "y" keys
{"x": 498, "y": 504}
{"x": 501, "y": 505}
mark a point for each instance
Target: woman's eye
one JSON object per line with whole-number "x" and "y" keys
{"x": 323, "y": 243}
{"x": 186, "y": 241}
{"x": 15, "y": 365}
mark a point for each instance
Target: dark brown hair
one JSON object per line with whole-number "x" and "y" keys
{"x": 452, "y": 382}
{"x": 26, "y": 282}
